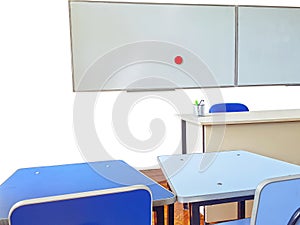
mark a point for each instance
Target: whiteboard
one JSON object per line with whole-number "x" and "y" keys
{"x": 268, "y": 45}
{"x": 123, "y": 46}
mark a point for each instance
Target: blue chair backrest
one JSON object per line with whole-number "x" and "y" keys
{"x": 276, "y": 201}
{"x": 228, "y": 107}
{"x": 127, "y": 206}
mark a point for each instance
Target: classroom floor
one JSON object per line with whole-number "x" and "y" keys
{"x": 181, "y": 216}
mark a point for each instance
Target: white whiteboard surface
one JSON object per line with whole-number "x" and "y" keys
{"x": 268, "y": 45}
{"x": 121, "y": 46}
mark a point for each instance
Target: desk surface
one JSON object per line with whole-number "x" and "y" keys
{"x": 64, "y": 179}
{"x": 220, "y": 175}
{"x": 266, "y": 116}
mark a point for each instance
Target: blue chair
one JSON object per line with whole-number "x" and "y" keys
{"x": 127, "y": 206}
{"x": 228, "y": 107}
{"x": 276, "y": 202}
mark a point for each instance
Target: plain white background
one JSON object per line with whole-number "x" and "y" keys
{"x": 36, "y": 98}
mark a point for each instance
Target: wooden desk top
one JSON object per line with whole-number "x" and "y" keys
{"x": 266, "y": 116}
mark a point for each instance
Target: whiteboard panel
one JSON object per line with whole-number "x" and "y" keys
{"x": 121, "y": 46}
{"x": 268, "y": 45}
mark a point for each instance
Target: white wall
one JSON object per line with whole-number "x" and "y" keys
{"x": 36, "y": 98}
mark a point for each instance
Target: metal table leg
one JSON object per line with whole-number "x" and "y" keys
{"x": 194, "y": 214}
{"x": 171, "y": 214}
{"x": 160, "y": 215}
{"x": 183, "y": 149}
{"x": 241, "y": 209}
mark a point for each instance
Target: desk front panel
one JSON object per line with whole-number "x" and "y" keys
{"x": 279, "y": 140}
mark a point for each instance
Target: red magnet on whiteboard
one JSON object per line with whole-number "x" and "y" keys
{"x": 178, "y": 60}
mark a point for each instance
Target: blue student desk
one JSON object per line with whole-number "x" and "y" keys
{"x": 65, "y": 179}
{"x": 219, "y": 177}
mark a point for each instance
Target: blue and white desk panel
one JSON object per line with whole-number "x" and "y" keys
{"x": 46, "y": 181}
{"x": 219, "y": 177}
